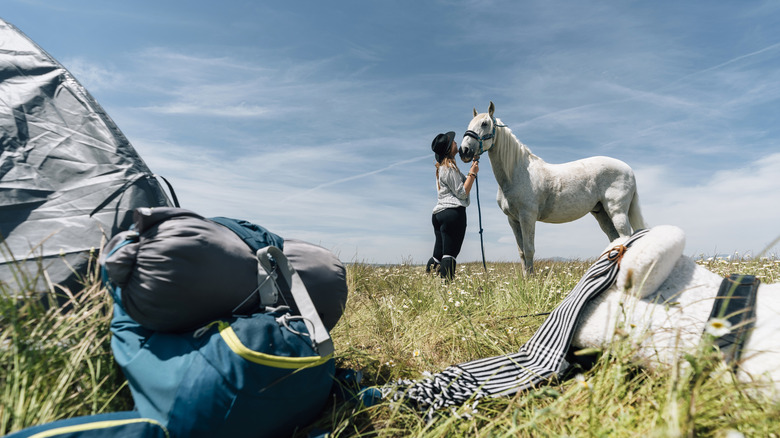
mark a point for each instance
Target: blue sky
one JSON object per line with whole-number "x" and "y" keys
{"x": 315, "y": 118}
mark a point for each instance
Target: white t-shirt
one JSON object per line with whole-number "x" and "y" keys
{"x": 451, "y": 191}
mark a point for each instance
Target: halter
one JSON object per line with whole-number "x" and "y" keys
{"x": 472, "y": 134}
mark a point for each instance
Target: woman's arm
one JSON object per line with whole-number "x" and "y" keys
{"x": 471, "y": 177}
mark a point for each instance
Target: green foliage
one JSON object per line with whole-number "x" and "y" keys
{"x": 400, "y": 322}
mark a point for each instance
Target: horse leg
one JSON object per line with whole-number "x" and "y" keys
{"x": 619, "y": 217}
{"x": 635, "y": 214}
{"x": 605, "y": 222}
{"x": 529, "y": 230}
{"x": 524, "y": 236}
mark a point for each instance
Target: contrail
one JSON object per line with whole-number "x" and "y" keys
{"x": 723, "y": 64}
{"x": 665, "y": 87}
{"x": 354, "y": 177}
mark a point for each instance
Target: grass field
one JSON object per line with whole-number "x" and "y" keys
{"x": 400, "y": 322}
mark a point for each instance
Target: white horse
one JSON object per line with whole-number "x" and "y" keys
{"x": 662, "y": 300}
{"x": 531, "y": 190}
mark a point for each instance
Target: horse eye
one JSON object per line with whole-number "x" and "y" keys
{"x": 484, "y": 123}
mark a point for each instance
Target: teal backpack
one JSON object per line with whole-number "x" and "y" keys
{"x": 128, "y": 424}
{"x": 255, "y": 374}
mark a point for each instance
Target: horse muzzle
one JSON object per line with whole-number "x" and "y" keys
{"x": 466, "y": 154}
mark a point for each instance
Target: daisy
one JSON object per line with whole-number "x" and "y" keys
{"x": 718, "y": 327}
{"x": 580, "y": 378}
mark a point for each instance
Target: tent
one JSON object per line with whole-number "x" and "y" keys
{"x": 69, "y": 178}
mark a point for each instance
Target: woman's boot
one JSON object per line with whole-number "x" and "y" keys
{"x": 447, "y": 268}
{"x": 432, "y": 267}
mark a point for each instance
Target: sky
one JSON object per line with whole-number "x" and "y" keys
{"x": 314, "y": 119}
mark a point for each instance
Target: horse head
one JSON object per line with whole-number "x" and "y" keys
{"x": 480, "y": 136}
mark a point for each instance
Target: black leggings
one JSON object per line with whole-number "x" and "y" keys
{"x": 449, "y": 227}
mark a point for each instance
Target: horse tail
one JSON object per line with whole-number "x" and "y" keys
{"x": 635, "y": 214}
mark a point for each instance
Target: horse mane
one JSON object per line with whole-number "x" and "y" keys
{"x": 509, "y": 150}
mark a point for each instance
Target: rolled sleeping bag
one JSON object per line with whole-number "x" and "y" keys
{"x": 324, "y": 276}
{"x": 177, "y": 271}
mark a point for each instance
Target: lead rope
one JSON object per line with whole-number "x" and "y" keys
{"x": 540, "y": 359}
{"x": 479, "y": 213}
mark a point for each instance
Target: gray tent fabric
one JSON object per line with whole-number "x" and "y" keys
{"x": 68, "y": 176}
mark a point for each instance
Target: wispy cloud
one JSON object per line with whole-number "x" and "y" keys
{"x": 355, "y": 177}
{"x": 94, "y": 76}
{"x": 206, "y": 110}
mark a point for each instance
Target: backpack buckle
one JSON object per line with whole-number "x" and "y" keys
{"x": 267, "y": 288}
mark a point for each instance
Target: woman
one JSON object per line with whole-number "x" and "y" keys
{"x": 449, "y": 215}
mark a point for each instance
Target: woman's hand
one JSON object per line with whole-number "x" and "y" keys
{"x": 474, "y": 167}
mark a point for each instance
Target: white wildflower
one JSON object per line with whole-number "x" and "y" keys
{"x": 718, "y": 327}
{"x": 582, "y": 381}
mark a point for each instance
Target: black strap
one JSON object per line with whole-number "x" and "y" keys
{"x": 117, "y": 192}
{"x": 735, "y": 302}
{"x": 170, "y": 189}
{"x": 129, "y": 184}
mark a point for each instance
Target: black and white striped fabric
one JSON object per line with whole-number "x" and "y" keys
{"x": 538, "y": 360}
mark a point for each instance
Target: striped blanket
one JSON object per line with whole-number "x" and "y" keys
{"x": 538, "y": 360}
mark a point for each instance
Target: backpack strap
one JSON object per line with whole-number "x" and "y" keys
{"x": 253, "y": 235}
{"x": 270, "y": 260}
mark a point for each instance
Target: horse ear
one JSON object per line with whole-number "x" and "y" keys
{"x": 491, "y": 108}
{"x": 475, "y": 112}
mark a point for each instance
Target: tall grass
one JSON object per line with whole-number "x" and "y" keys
{"x": 55, "y": 356}
{"x": 399, "y": 323}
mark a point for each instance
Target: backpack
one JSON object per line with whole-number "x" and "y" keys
{"x": 128, "y": 424}
{"x": 254, "y": 373}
